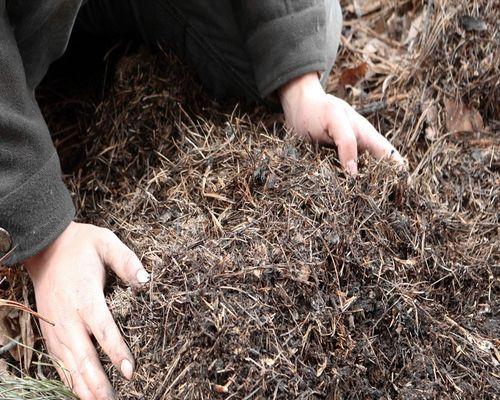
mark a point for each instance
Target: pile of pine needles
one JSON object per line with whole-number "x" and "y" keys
{"x": 274, "y": 274}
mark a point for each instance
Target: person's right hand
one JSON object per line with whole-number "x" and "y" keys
{"x": 68, "y": 277}
{"x": 325, "y": 119}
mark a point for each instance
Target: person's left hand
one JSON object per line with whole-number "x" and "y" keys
{"x": 325, "y": 119}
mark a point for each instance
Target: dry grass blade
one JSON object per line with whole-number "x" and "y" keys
{"x": 14, "y": 388}
{"x": 22, "y": 307}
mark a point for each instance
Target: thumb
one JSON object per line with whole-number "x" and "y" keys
{"x": 123, "y": 261}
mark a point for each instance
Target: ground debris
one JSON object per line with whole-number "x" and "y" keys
{"x": 274, "y": 274}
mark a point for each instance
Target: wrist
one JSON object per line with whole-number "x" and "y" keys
{"x": 304, "y": 86}
{"x": 36, "y": 263}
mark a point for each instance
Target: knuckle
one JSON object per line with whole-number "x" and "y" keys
{"x": 86, "y": 396}
{"x": 103, "y": 392}
{"x": 83, "y": 362}
{"x": 119, "y": 354}
{"x": 101, "y": 331}
{"x": 106, "y": 235}
{"x": 128, "y": 258}
{"x": 63, "y": 331}
{"x": 338, "y": 104}
{"x": 346, "y": 141}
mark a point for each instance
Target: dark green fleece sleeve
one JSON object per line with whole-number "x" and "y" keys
{"x": 284, "y": 38}
{"x": 35, "y": 206}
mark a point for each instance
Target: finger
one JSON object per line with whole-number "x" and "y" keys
{"x": 72, "y": 378}
{"x": 78, "y": 343}
{"x": 66, "y": 368}
{"x": 121, "y": 259}
{"x": 369, "y": 139}
{"x": 340, "y": 129}
{"x": 107, "y": 334}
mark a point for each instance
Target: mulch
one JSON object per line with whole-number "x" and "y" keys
{"x": 275, "y": 275}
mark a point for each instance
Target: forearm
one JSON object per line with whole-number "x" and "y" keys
{"x": 34, "y": 204}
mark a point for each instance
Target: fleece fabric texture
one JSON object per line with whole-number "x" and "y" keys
{"x": 284, "y": 39}
{"x": 242, "y": 47}
{"x": 35, "y": 207}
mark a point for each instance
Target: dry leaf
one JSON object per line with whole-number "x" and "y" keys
{"x": 269, "y": 361}
{"x": 7, "y": 331}
{"x": 473, "y": 24}
{"x": 220, "y": 389}
{"x": 257, "y": 272}
{"x": 415, "y": 29}
{"x": 27, "y": 336}
{"x": 364, "y": 7}
{"x": 462, "y": 118}
{"x": 224, "y": 388}
{"x": 304, "y": 272}
{"x": 4, "y": 369}
{"x": 352, "y": 76}
{"x": 431, "y": 118}
{"x": 376, "y": 46}
{"x": 27, "y": 339}
{"x": 321, "y": 368}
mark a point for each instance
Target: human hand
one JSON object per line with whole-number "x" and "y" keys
{"x": 68, "y": 277}
{"x": 323, "y": 118}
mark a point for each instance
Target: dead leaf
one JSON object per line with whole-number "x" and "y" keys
{"x": 4, "y": 369}
{"x": 27, "y": 335}
{"x": 218, "y": 197}
{"x": 27, "y": 339}
{"x": 257, "y": 272}
{"x": 415, "y": 29}
{"x": 462, "y": 118}
{"x": 352, "y": 76}
{"x": 304, "y": 273}
{"x": 224, "y": 388}
{"x": 321, "y": 368}
{"x": 431, "y": 118}
{"x": 377, "y": 47}
{"x": 220, "y": 389}
{"x": 364, "y": 7}
{"x": 269, "y": 361}
{"x": 7, "y": 331}
{"x": 473, "y": 24}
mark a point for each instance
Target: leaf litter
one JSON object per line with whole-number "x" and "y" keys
{"x": 274, "y": 274}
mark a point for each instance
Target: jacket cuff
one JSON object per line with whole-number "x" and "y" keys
{"x": 37, "y": 212}
{"x": 300, "y": 48}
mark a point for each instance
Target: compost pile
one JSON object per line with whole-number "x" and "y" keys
{"x": 275, "y": 275}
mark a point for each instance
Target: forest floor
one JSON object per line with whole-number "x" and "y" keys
{"x": 274, "y": 275}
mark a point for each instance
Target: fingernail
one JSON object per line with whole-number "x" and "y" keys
{"x": 142, "y": 276}
{"x": 395, "y": 155}
{"x": 352, "y": 168}
{"x": 127, "y": 369}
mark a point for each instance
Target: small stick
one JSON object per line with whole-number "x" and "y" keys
{"x": 372, "y": 107}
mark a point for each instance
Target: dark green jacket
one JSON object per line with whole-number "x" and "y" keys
{"x": 284, "y": 39}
